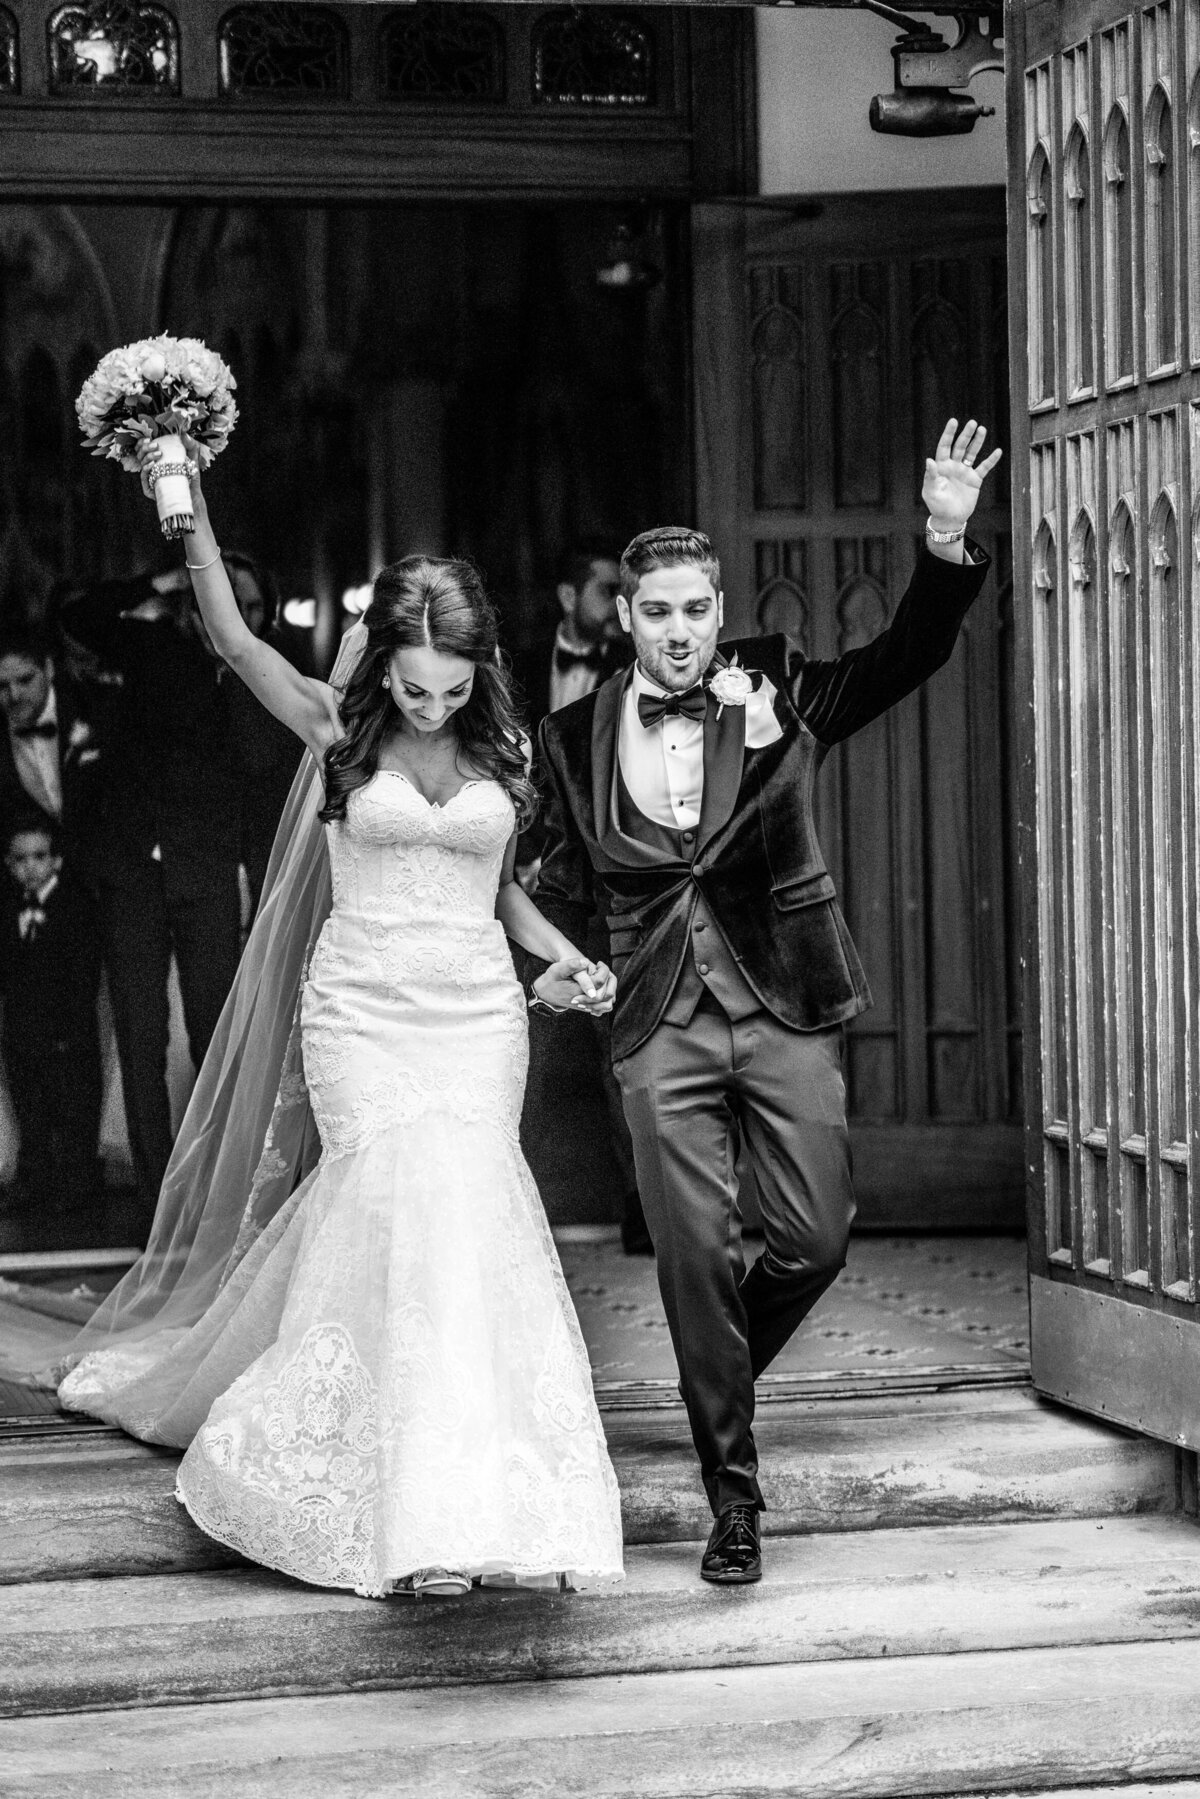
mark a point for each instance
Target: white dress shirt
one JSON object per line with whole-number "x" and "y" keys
{"x": 663, "y": 763}
{"x": 37, "y": 762}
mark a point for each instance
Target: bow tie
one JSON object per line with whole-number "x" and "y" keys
{"x": 45, "y": 730}
{"x": 594, "y": 657}
{"x": 655, "y": 706}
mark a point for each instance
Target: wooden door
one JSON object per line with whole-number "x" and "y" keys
{"x": 832, "y": 339}
{"x": 1104, "y": 136}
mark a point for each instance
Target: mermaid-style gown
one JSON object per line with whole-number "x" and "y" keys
{"x": 394, "y": 1377}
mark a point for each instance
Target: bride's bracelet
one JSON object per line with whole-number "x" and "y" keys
{"x": 197, "y": 566}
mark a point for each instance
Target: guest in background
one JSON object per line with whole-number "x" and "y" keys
{"x": 50, "y": 982}
{"x": 50, "y": 752}
{"x": 588, "y": 647}
{"x": 264, "y": 751}
{"x": 170, "y": 817}
{"x": 589, "y": 644}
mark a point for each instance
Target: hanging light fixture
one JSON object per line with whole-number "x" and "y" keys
{"x": 626, "y": 268}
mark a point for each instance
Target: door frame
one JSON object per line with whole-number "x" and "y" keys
{"x": 1105, "y": 1343}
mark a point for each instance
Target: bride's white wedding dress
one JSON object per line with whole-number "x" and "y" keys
{"x": 393, "y": 1377}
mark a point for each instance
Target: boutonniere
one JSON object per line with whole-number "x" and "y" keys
{"x": 731, "y": 685}
{"x": 81, "y": 733}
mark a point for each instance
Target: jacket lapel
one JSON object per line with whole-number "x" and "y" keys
{"x": 630, "y": 852}
{"x": 724, "y": 756}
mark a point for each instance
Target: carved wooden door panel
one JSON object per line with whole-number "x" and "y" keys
{"x": 1104, "y": 136}
{"x": 832, "y": 340}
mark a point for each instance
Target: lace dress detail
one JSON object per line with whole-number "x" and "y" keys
{"x": 393, "y": 1377}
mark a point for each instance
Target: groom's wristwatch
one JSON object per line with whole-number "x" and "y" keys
{"x": 936, "y": 536}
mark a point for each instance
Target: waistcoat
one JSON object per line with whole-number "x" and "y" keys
{"x": 708, "y": 962}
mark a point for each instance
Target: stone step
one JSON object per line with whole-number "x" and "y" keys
{"x": 98, "y": 1503}
{"x": 1025, "y": 1721}
{"x": 230, "y": 1634}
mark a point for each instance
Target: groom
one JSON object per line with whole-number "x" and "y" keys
{"x": 680, "y": 794}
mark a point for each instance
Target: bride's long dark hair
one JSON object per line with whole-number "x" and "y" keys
{"x": 435, "y": 603}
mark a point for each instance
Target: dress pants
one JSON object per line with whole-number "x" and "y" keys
{"x": 194, "y": 915}
{"x": 55, "y": 1085}
{"x": 689, "y": 1093}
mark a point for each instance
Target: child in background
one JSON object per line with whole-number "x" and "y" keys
{"x": 50, "y": 981}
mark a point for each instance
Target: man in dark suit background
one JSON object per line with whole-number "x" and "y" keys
{"x": 168, "y": 831}
{"x": 588, "y": 647}
{"x": 266, "y": 753}
{"x": 51, "y": 747}
{"x": 680, "y": 800}
{"x": 589, "y": 644}
{"x": 50, "y": 982}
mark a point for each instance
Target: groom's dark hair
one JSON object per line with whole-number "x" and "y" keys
{"x": 667, "y": 546}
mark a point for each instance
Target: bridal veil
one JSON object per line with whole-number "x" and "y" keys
{"x": 248, "y": 1137}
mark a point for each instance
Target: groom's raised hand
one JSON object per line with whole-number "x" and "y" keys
{"x": 954, "y": 477}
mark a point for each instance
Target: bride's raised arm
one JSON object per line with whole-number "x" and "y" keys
{"x": 307, "y": 706}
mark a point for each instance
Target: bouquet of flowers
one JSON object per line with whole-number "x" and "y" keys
{"x": 162, "y": 387}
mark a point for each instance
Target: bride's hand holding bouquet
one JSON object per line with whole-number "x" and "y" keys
{"x": 173, "y": 393}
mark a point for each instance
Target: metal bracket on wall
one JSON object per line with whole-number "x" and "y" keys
{"x": 928, "y": 69}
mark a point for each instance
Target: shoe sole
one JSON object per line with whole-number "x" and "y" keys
{"x": 732, "y": 1580}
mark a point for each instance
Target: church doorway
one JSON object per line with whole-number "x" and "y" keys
{"x": 448, "y": 377}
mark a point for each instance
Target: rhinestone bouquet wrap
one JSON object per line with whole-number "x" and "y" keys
{"x": 165, "y": 388}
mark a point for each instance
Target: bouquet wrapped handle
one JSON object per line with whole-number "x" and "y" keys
{"x": 172, "y": 488}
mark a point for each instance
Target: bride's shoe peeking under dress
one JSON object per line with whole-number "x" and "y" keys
{"x": 393, "y": 1378}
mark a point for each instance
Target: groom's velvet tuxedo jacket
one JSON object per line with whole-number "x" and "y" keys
{"x": 755, "y": 858}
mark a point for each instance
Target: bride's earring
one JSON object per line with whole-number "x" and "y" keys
{"x": 387, "y": 681}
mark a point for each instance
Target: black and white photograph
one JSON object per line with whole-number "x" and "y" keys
{"x": 600, "y": 899}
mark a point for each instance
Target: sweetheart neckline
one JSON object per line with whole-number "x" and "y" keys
{"x": 438, "y": 805}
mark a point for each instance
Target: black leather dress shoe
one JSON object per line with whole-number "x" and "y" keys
{"x": 635, "y": 1236}
{"x": 636, "y": 1240}
{"x": 733, "y": 1557}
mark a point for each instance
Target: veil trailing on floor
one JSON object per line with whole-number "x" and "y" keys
{"x": 248, "y": 1137}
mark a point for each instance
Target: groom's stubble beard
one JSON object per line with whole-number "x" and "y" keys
{"x": 672, "y": 677}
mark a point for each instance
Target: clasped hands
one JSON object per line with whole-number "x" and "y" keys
{"x": 575, "y": 984}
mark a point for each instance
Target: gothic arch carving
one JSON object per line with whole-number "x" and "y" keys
{"x": 1040, "y": 201}
{"x": 1118, "y": 248}
{"x": 56, "y": 509}
{"x": 1161, "y": 332}
{"x": 1078, "y": 174}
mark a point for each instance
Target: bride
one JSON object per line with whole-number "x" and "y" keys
{"x": 381, "y": 1378}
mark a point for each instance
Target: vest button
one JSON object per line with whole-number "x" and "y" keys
{"x": 688, "y": 836}
{"x": 699, "y": 926}
{"x": 704, "y": 968}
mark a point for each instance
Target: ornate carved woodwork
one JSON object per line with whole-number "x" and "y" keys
{"x": 448, "y": 51}
{"x": 824, "y": 378}
{"x": 113, "y": 45}
{"x": 1106, "y": 569}
{"x": 56, "y": 520}
{"x": 595, "y": 56}
{"x": 292, "y": 50}
{"x": 312, "y": 101}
